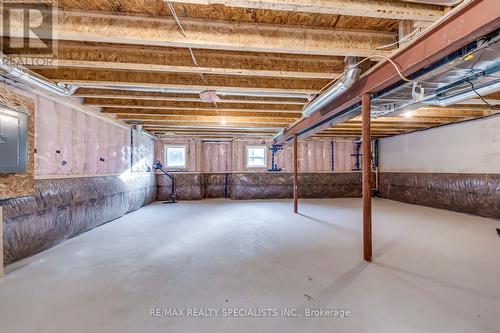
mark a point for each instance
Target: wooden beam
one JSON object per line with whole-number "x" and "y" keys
{"x": 142, "y": 67}
{"x": 406, "y": 27}
{"x": 63, "y": 74}
{"x": 181, "y": 57}
{"x": 374, "y": 8}
{"x": 202, "y": 125}
{"x": 210, "y": 112}
{"x": 207, "y": 34}
{"x": 435, "y": 43}
{"x": 367, "y": 192}
{"x": 189, "y": 88}
{"x": 146, "y": 97}
{"x": 98, "y": 96}
{"x": 295, "y": 175}
{"x": 210, "y": 119}
{"x": 156, "y": 104}
{"x": 134, "y": 109}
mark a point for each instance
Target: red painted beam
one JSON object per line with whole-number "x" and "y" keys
{"x": 366, "y": 175}
{"x": 295, "y": 175}
{"x": 463, "y": 26}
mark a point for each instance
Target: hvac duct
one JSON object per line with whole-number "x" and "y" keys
{"x": 463, "y": 96}
{"x": 345, "y": 82}
{"x": 181, "y": 90}
{"x": 25, "y": 76}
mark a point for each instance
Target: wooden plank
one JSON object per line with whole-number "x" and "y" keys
{"x": 148, "y": 104}
{"x": 142, "y": 67}
{"x": 157, "y": 109}
{"x": 210, "y": 119}
{"x": 367, "y": 192}
{"x": 175, "y": 79}
{"x": 185, "y": 99}
{"x": 202, "y": 125}
{"x": 190, "y": 88}
{"x": 209, "y": 34}
{"x": 374, "y": 8}
{"x": 222, "y": 113}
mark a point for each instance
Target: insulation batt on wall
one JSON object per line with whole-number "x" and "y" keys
{"x": 70, "y": 142}
{"x": 315, "y": 155}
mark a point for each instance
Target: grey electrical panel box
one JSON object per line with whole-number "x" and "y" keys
{"x": 13, "y": 141}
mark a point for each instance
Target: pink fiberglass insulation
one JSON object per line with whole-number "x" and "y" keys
{"x": 64, "y": 134}
{"x": 92, "y": 146}
{"x": 314, "y": 155}
{"x": 216, "y": 156}
{"x": 102, "y": 150}
{"x": 70, "y": 142}
{"x": 46, "y": 144}
{"x": 79, "y": 131}
{"x": 143, "y": 152}
{"x": 111, "y": 149}
{"x": 124, "y": 150}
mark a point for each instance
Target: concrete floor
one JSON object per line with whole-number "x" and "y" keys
{"x": 433, "y": 271}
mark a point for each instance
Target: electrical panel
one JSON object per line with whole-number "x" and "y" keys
{"x": 13, "y": 141}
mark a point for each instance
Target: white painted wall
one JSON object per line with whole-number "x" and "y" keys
{"x": 468, "y": 147}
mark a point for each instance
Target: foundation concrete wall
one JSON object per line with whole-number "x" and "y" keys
{"x": 467, "y": 147}
{"x": 455, "y": 167}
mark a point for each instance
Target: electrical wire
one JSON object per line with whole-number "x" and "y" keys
{"x": 406, "y": 38}
{"x": 350, "y": 68}
{"x": 183, "y": 32}
{"x": 481, "y": 97}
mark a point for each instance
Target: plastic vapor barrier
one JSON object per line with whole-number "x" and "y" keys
{"x": 477, "y": 194}
{"x": 330, "y": 185}
{"x": 260, "y": 185}
{"x": 62, "y": 208}
{"x": 216, "y": 185}
{"x": 241, "y": 186}
{"x": 188, "y": 186}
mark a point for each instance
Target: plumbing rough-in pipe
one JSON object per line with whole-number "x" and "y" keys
{"x": 344, "y": 82}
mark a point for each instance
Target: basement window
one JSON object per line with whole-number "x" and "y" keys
{"x": 256, "y": 156}
{"x": 175, "y": 156}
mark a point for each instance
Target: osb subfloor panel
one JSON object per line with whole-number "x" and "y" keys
{"x": 434, "y": 270}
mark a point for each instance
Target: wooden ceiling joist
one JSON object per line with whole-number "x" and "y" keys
{"x": 210, "y": 119}
{"x": 97, "y": 98}
{"x": 179, "y": 79}
{"x": 203, "y": 125}
{"x": 374, "y": 8}
{"x": 222, "y": 90}
{"x": 86, "y": 26}
{"x": 133, "y": 113}
{"x": 142, "y": 67}
{"x": 198, "y": 105}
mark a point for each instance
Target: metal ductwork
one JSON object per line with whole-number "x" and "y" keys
{"x": 450, "y": 99}
{"x": 187, "y": 90}
{"x": 344, "y": 82}
{"x": 25, "y": 76}
{"x": 471, "y": 73}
